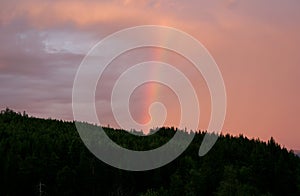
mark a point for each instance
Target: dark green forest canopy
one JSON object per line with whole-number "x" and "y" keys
{"x": 47, "y": 157}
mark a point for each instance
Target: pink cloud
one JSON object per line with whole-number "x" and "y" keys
{"x": 255, "y": 44}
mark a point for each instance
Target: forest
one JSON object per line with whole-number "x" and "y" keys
{"x": 47, "y": 157}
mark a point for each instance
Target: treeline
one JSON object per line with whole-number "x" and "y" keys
{"x": 47, "y": 157}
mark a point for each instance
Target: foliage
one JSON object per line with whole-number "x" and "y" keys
{"x": 47, "y": 157}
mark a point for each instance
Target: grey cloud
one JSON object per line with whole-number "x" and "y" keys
{"x": 30, "y": 77}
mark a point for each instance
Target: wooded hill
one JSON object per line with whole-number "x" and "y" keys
{"x": 47, "y": 157}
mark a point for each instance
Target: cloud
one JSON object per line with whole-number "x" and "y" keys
{"x": 255, "y": 44}
{"x": 30, "y": 75}
{"x": 43, "y": 14}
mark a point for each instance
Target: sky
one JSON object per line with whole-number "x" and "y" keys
{"x": 255, "y": 43}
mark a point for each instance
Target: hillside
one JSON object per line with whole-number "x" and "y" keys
{"x": 47, "y": 156}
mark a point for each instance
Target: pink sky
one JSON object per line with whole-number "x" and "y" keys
{"x": 255, "y": 43}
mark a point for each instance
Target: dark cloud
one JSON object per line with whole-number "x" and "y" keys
{"x": 30, "y": 76}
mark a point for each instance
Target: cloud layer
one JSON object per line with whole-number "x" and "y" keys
{"x": 255, "y": 43}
